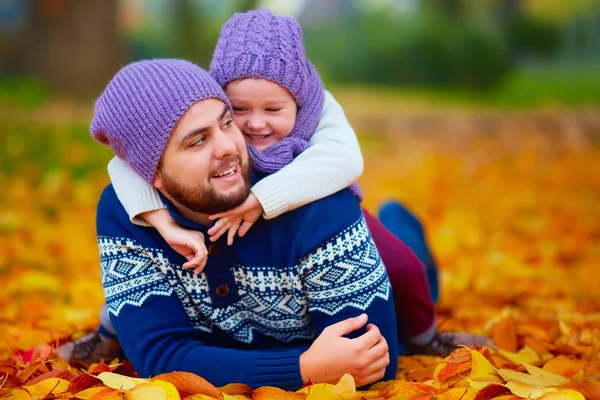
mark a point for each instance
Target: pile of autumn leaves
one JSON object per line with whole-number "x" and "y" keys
{"x": 467, "y": 374}
{"x": 513, "y": 221}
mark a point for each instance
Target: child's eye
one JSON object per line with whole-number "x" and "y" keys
{"x": 238, "y": 109}
{"x": 273, "y": 109}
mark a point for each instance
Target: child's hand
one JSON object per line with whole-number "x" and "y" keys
{"x": 189, "y": 244}
{"x": 239, "y": 220}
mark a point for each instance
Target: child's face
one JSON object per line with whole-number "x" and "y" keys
{"x": 264, "y": 111}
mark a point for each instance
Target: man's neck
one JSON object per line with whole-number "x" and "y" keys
{"x": 193, "y": 216}
{"x": 188, "y": 214}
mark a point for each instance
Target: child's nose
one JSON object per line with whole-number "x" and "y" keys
{"x": 256, "y": 122}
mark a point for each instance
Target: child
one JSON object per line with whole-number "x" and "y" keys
{"x": 297, "y": 133}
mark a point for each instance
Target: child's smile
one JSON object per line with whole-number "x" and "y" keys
{"x": 264, "y": 111}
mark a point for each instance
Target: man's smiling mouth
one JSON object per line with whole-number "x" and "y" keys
{"x": 227, "y": 172}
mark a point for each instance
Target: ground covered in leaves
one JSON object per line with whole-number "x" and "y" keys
{"x": 511, "y": 210}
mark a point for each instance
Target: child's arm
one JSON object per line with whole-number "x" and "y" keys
{"x": 145, "y": 207}
{"x": 332, "y": 163}
{"x": 135, "y": 194}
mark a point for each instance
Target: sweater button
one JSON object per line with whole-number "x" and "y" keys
{"x": 213, "y": 248}
{"x": 222, "y": 290}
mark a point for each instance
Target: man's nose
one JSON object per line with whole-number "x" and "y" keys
{"x": 224, "y": 145}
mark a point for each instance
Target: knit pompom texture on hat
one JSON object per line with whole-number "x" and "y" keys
{"x": 257, "y": 44}
{"x": 141, "y": 106}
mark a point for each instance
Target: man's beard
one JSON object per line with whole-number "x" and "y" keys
{"x": 206, "y": 200}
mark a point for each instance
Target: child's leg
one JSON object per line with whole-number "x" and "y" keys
{"x": 406, "y": 227}
{"x": 106, "y": 327}
{"x": 415, "y": 313}
{"x": 101, "y": 344}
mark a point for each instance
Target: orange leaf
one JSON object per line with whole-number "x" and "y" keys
{"x": 589, "y": 389}
{"x": 107, "y": 394}
{"x": 565, "y": 366}
{"x": 95, "y": 369}
{"x": 505, "y": 334}
{"x": 456, "y": 366}
{"x": 234, "y": 389}
{"x": 189, "y": 383}
{"x": 273, "y": 393}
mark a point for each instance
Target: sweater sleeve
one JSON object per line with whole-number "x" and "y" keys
{"x": 332, "y": 163}
{"x": 135, "y": 194}
{"x": 344, "y": 276}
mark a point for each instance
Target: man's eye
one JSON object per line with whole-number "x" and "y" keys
{"x": 227, "y": 124}
{"x": 200, "y": 141}
{"x": 273, "y": 109}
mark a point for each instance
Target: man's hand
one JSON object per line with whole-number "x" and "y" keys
{"x": 239, "y": 220}
{"x": 332, "y": 355}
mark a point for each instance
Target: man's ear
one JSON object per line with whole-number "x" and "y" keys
{"x": 158, "y": 182}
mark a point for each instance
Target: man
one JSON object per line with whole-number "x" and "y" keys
{"x": 285, "y": 304}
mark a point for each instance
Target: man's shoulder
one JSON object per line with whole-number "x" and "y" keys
{"x": 112, "y": 219}
{"x": 109, "y": 206}
{"x": 325, "y": 219}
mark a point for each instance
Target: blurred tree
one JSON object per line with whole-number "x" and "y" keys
{"x": 186, "y": 23}
{"x": 197, "y": 31}
{"x": 72, "y": 44}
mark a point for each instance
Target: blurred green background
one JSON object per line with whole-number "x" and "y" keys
{"x": 57, "y": 55}
{"x": 510, "y": 52}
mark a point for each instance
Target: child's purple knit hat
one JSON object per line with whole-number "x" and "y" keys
{"x": 258, "y": 44}
{"x": 142, "y": 104}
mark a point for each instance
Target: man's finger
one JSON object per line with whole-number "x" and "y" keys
{"x": 373, "y": 377}
{"x": 369, "y": 339}
{"x": 348, "y": 325}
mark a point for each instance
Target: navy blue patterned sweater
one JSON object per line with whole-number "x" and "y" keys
{"x": 258, "y": 304}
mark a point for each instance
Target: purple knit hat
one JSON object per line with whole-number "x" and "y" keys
{"x": 142, "y": 104}
{"x": 257, "y": 44}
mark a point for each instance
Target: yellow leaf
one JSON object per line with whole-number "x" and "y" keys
{"x": 549, "y": 378}
{"x": 316, "y": 388}
{"x": 482, "y": 368}
{"x": 525, "y": 355}
{"x": 47, "y": 386}
{"x": 119, "y": 382}
{"x": 345, "y": 388}
{"x": 563, "y": 394}
{"x": 149, "y": 391}
{"x": 19, "y": 394}
{"x": 457, "y": 393}
{"x": 201, "y": 397}
{"x": 322, "y": 392}
{"x": 528, "y": 391}
{"x": 169, "y": 388}
{"x": 477, "y": 385}
{"x": 89, "y": 393}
